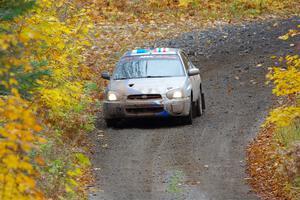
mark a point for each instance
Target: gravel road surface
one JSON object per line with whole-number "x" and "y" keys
{"x": 163, "y": 160}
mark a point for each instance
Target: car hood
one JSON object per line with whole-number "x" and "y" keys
{"x": 147, "y": 85}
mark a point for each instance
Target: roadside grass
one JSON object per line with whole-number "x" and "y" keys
{"x": 175, "y": 182}
{"x": 290, "y": 169}
{"x": 289, "y": 135}
{"x": 273, "y": 163}
{"x": 65, "y": 168}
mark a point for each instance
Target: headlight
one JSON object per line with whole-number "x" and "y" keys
{"x": 175, "y": 94}
{"x": 111, "y": 96}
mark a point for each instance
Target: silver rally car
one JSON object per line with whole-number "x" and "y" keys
{"x": 160, "y": 82}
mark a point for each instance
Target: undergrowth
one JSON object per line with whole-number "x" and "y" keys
{"x": 203, "y": 9}
{"x": 274, "y": 156}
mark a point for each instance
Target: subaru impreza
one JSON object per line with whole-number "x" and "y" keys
{"x": 160, "y": 82}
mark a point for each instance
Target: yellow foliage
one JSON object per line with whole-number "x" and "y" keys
{"x": 61, "y": 99}
{"x": 185, "y": 3}
{"x": 287, "y": 83}
{"x": 284, "y": 116}
{"x": 291, "y": 33}
{"x": 58, "y": 35}
{"x": 17, "y": 138}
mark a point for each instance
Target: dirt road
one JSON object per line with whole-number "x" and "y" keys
{"x": 157, "y": 160}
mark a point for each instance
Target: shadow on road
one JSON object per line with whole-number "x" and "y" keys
{"x": 149, "y": 123}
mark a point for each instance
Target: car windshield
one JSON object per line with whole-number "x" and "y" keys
{"x": 157, "y": 66}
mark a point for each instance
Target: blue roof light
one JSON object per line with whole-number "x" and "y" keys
{"x": 142, "y": 51}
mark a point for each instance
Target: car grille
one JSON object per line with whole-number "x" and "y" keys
{"x": 152, "y": 110}
{"x": 144, "y": 96}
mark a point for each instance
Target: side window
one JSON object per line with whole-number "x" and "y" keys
{"x": 189, "y": 61}
{"x": 186, "y": 61}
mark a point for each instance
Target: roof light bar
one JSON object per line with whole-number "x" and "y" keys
{"x": 152, "y": 51}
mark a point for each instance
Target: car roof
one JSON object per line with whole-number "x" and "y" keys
{"x": 152, "y": 51}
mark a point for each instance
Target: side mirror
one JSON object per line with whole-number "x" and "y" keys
{"x": 193, "y": 72}
{"x": 105, "y": 75}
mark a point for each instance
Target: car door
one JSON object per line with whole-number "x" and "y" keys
{"x": 194, "y": 79}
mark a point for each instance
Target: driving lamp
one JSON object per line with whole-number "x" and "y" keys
{"x": 111, "y": 96}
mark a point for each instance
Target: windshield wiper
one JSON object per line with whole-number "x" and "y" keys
{"x": 156, "y": 76}
{"x": 124, "y": 78}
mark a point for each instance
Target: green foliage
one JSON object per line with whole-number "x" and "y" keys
{"x": 90, "y": 87}
{"x": 55, "y": 168}
{"x": 13, "y": 8}
{"x": 83, "y": 160}
{"x": 27, "y": 80}
{"x": 61, "y": 169}
{"x": 253, "y": 7}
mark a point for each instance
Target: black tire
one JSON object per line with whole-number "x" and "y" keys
{"x": 203, "y": 101}
{"x": 110, "y": 123}
{"x": 189, "y": 119}
{"x": 199, "y": 106}
{"x": 202, "y": 98}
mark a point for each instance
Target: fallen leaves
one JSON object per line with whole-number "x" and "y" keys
{"x": 262, "y": 168}
{"x": 291, "y": 33}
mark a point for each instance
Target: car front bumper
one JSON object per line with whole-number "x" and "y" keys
{"x": 146, "y": 108}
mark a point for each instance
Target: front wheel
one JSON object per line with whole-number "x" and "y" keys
{"x": 189, "y": 119}
{"x": 202, "y": 98}
{"x": 199, "y": 105}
